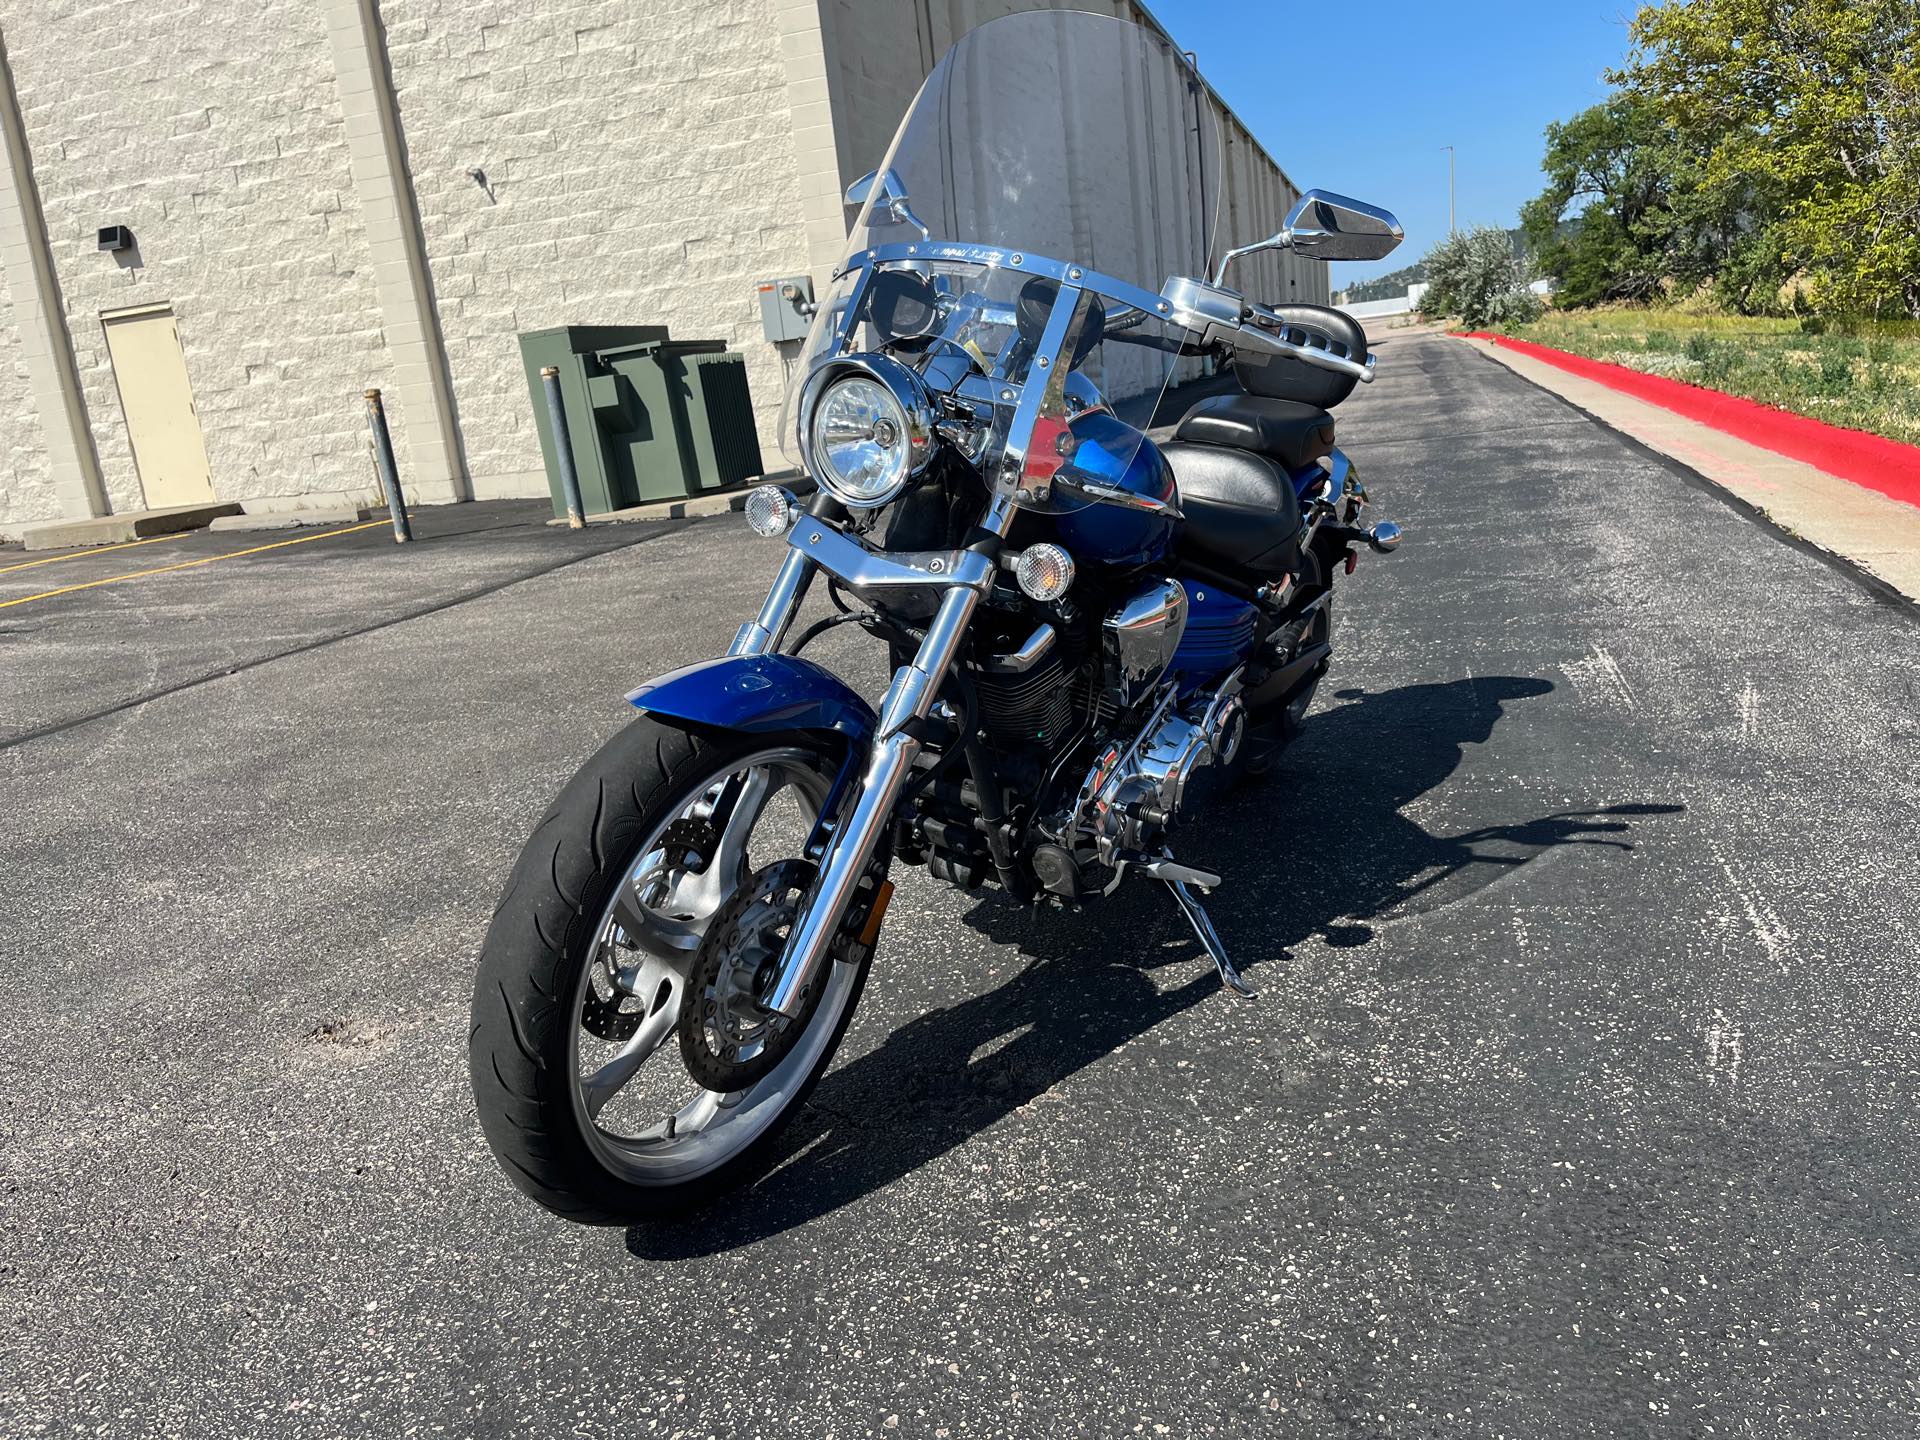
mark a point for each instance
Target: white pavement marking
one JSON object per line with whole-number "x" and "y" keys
{"x": 1725, "y": 1046}
{"x": 1763, "y": 921}
{"x": 1598, "y": 670}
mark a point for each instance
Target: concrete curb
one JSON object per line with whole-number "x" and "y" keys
{"x": 1878, "y": 535}
{"x": 117, "y": 529}
{"x": 1874, "y": 461}
{"x": 691, "y": 508}
{"x": 294, "y": 519}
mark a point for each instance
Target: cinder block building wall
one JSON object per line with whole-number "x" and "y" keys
{"x": 218, "y": 140}
{"x": 26, "y": 489}
{"x": 328, "y": 195}
{"x": 639, "y": 166}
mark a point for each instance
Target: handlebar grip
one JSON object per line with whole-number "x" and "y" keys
{"x": 1303, "y": 349}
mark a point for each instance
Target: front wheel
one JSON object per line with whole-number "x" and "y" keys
{"x": 662, "y": 882}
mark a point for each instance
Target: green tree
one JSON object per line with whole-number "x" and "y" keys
{"x": 1615, "y": 165}
{"x": 1477, "y": 276}
{"x": 1804, "y": 116}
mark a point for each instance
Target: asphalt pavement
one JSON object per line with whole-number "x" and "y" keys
{"x": 1578, "y": 1098}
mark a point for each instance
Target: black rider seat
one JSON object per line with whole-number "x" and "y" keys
{"x": 1294, "y": 434}
{"x": 1242, "y": 513}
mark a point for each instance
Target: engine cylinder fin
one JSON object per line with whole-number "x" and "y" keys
{"x": 1031, "y": 709}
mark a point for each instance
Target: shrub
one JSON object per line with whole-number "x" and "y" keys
{"x": 1476, "y": 275}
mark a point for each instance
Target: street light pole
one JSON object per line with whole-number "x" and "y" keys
{"x": 1450, "y": 226}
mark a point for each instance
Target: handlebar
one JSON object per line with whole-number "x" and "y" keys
{"x": 1223, "y": 317}
{"x": 1299, "y": 343}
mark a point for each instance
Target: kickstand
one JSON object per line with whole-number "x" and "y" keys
{"x": 1209, "y": 937}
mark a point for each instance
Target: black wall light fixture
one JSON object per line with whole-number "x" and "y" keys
{"x": 115, "y": 238}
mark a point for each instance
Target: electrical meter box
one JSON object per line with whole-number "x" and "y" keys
{"x": 786, "y": 307}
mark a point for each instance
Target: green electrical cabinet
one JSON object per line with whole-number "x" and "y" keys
{"x": 649, "y": 418}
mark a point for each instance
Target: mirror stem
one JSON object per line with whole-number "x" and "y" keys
{"x": 1275, "y": 242}
{"x": 903, "y": 215}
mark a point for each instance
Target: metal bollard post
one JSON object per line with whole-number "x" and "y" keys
{"x": 563, "y": 449}
{"x": 389, "y": 472}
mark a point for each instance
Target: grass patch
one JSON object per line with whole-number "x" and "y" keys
{"x": 1864, "y": 375}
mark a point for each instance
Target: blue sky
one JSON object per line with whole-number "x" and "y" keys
{"x": 1359, "y": 98}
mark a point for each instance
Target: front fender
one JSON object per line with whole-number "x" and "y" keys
{"x": 751, "y": 693}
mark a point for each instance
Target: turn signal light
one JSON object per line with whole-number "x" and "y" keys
{"x": 771, "y": 510}
{"x": 1045, "y": 572}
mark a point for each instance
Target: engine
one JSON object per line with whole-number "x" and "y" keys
{"x": 1156, "y": 665}
{"x": 1155, "y": 641}
{"x": 1027, "y": 693}
{"x": 1136, "y": 790}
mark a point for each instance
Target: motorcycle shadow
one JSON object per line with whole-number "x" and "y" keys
{"x": 1335, "y": 856}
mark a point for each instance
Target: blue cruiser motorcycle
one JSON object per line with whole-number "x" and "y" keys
{"x": 1089, "y": 631}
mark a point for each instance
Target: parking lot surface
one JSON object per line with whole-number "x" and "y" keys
{"x": 1578, "y": 1098}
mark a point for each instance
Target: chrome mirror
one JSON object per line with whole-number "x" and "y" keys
{"x": 889, "y": 198}
{"x": 1325, "y": 226}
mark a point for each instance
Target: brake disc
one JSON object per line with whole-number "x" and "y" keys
{"x": 728, "y": 1039}
{"x": 608, "y": 1011}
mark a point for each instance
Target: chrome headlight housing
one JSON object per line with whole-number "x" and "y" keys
{"x": 866, "y": 428}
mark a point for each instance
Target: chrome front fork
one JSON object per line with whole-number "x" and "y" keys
{"x": 909, "y": 697}
{"x": 765, "y": 631}
{"x": 915, "y": 687}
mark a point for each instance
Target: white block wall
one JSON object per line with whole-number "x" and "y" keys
{"x": 26, "y": 482}
{"x": 642, "y": 171}
{"x": 213, "y": 130}
{"x": 647, "y": 161}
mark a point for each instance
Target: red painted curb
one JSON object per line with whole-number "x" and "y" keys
{"x": 1872, "y": 461}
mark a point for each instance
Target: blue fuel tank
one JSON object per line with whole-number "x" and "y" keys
{"x": 1117, "y": 454}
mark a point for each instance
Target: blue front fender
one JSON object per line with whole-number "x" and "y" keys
{"x": 751, "y": 693}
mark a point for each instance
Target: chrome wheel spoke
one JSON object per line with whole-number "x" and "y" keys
{"x": 654, "y": 1122}
{"x": 611, "y": 1078}
{"x": 650, "y": 931}
{"x": 704, "y": 892}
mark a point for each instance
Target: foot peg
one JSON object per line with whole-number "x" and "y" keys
{"x": 1165, "y": 869}
{"x": 1384, "y": 537}
{"x": 1209, "y": 937}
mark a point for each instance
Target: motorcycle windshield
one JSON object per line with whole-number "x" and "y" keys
{"x": 1054, "y": 170}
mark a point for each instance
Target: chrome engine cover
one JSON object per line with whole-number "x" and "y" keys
{"x": 1139, "y": 637}
{"x": 1136, "y": 790}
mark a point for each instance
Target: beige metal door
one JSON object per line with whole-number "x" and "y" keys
{"x": 157, "y": 400}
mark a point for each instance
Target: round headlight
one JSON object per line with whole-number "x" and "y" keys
{"x": 863, "y": 442}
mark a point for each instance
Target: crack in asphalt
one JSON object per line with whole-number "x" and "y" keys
{"x": 658, "y": 530}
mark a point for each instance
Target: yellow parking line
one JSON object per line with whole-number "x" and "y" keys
{"x": 189, "y": 564}
{"x": 82, "y": 554}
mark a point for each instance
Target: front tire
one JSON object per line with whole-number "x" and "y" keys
{"x": 581, "y": 975}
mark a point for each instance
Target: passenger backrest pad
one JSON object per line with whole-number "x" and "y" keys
{"x": 1284, "y": 378}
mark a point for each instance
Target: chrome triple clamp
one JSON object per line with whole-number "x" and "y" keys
{"x": 1181, "y": 881}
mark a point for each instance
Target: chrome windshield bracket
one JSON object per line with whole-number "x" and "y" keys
{"x": 844, "y": 557}
{"x": 1042, "y": 376}
{"x": 999, "y": 257}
